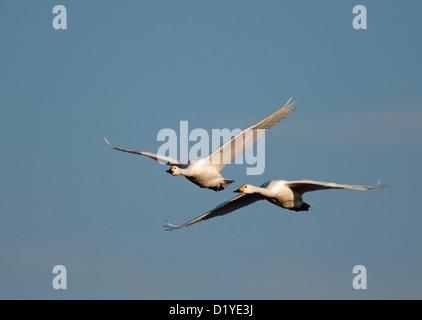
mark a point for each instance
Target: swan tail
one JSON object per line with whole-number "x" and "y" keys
{"x": 303, "y": 207}
{"x": 223, "y": 185}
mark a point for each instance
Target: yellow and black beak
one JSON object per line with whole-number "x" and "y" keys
{"x": 240, "y": 190}
{"x": 171, "y": 170}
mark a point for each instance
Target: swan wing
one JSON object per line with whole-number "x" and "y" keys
{"x": 302, "y": 186}
{"x": 162, "y": 159}
{"x": 237, "y": 202}
{"x": 228, "y": 151}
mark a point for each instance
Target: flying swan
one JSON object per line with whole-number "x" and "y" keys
{"x": 283, "y": 193}
{"x": 205, "y": 172}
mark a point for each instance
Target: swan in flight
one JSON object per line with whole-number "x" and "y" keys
{"x": 285, "y": 194}
{"x": 205, "y": 172}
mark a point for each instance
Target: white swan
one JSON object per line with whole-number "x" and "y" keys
{"x": 205, "y": 172}
{"x": 285, "y": 194}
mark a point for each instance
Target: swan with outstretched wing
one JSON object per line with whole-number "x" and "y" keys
{"x": 283, "y": 193}
{"x": 205, "y": 172}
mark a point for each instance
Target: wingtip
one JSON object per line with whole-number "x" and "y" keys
{"x": 381, "y": 186}
{"x": 290, "y": 105}
{"x": 169, "y": 226}
{"x": 105, "y": 139}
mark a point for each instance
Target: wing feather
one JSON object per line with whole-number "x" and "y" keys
{"x": 302, "y": 186}
{"x": 237, "y": 202}
{"x": 162, "y": 159}
{"x": 227, "y": 152}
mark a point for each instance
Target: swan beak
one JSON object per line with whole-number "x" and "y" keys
{"x": 240, "y": 190}
{"x": 171, "y": 170}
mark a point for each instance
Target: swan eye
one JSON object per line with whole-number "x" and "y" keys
{"x": 246, "y": 186}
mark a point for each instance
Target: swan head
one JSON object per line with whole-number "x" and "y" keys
{"x": 247, "y": 189}
{"x": 174, "y": 170}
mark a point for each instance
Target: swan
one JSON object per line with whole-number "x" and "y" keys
{"x": 205, "y": 172}
{"x": 283, "y": 193}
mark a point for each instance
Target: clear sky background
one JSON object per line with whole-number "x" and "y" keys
{"x": 127, "y": 69}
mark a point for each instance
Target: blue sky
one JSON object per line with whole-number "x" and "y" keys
{"x": 126, "y": 70}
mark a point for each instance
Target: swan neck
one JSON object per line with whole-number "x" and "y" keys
{"x": 185, "y": 172}
{"x": 262, "y": 191}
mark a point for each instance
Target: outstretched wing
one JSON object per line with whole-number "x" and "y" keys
{"x": 162, "y": 159}
{"x": 229, "y": 206}
{"x": 302, "y": 186}
{"x": 227, "y": 152}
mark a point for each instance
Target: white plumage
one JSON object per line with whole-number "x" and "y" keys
{"x": 283, "y": 193}
{"x": 205, "y": 172}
